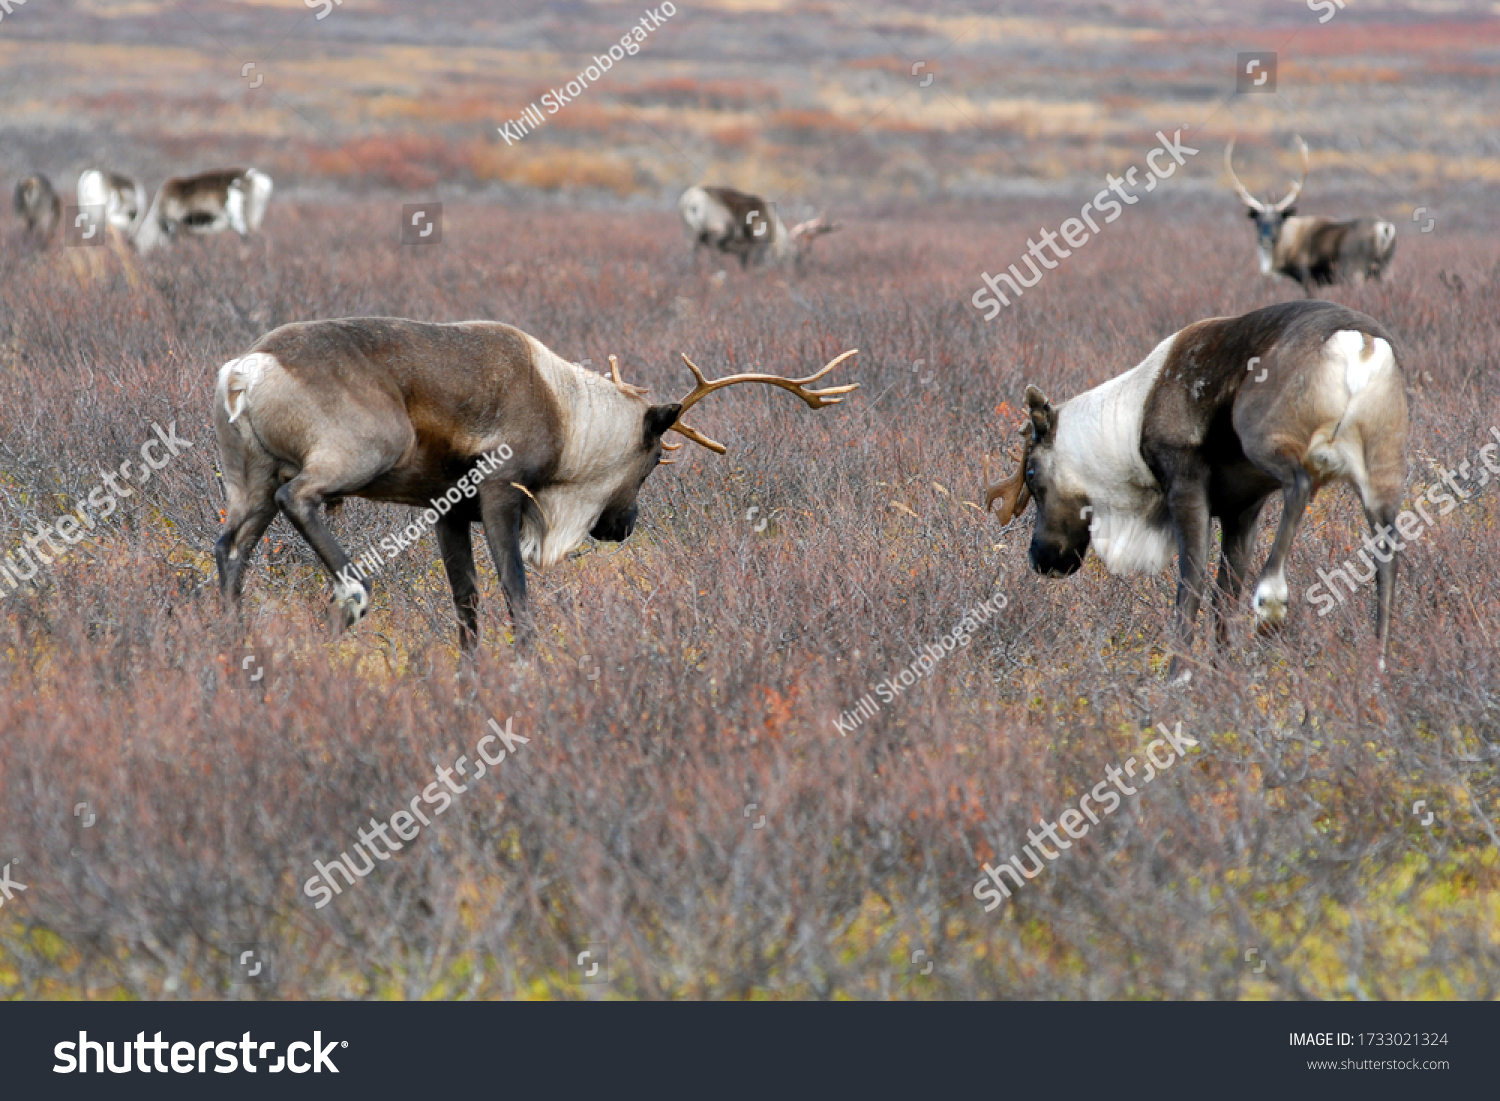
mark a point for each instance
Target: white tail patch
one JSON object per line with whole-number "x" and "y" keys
{"x": 1385, "y": 235}
{"x": 1361, "y": 363}
{"x": 1332, "y": 453}
{"x": 237, "y": 379}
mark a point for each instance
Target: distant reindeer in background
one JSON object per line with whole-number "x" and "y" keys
{"x": 1314, "y": 251}
{"x": 229, "y": 198}
{"x": 38, "y": 206}
{"x": 746, "y": 226}
{"x": 122, "y": 199}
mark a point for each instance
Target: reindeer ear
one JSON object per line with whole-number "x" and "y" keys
{"x": 1291, "y": 211}
{"x": 1251, "y": 213}
{"x": 1043, "y": 416}
{"x": 659, "y": 418}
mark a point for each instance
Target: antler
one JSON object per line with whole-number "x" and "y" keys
{"x": 1245, "y": 197}
{"x": 1249, "y": 199}
{"x": 1297, "y": 187}
{"x": 1013, "y": 493}
{"x": 815, "y": 399}
{"x": 813, "y": 227}
{"x": 614, "y": 370}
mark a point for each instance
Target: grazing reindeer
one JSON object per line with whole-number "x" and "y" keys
{"x": 38, "y": 206}
{"x": 231, "y": 198}
{"x": 1314, "y": 251}
{"x": 746, "y": 226}
{"x": 401, "y": 411}
{"x": 122, "y": 198}
{"x": 1217, "y": 418}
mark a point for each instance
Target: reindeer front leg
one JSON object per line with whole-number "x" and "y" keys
{"x": 1234, "y": 560}
{"x": 1188, "y": 502}
{"x": 456, "y": 544}
{"x": 502, "y": 506}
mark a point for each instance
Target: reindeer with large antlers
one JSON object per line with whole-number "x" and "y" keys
{"x": 1313, "y": 251}
{"x": 402, "y": 412}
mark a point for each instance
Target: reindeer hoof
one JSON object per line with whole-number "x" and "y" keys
{"x": 353, "y": 599}
{"x": 1270, "y": 604}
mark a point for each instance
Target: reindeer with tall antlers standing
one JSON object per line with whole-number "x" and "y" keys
{"x": 401, "y": 411}
{"x": 1314, "y": 251}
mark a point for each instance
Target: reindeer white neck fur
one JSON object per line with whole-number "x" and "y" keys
{"x": 600, "y": 423}
{"x": 1097, "y": 454}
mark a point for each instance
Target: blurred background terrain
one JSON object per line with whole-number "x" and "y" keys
{"x": 1337, "y": 822}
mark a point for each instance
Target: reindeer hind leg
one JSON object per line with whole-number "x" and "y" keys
{"x": 302, "y": 499}
{"x": 247, "y": 522}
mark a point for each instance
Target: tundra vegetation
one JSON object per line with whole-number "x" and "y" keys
{"x": 697, "y": 667}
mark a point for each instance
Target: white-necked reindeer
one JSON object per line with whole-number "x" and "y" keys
{"x": 122, "y": 199}
{"x": 229, "y": 198}
{"x": 1218, "y": 417}
{"x": 403, "y": 412}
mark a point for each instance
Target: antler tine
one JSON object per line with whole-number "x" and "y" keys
{"x": 699, "y": 438}
{"x": 1013, "y": 493}
{"x": 1297, "y": 187}
{"x": 1245, "y": 197}
{"x": 815, "y": 399}
{"x": 614, "y": 370}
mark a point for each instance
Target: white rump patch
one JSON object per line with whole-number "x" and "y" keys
{"x": 237, "y": 380}
{"x": 1348, "y": 345}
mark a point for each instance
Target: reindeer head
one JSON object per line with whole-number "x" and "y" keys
{"x": 1061, "y": 536}
{"x": 1268, "y": 217}
{"x": 629, "y": 472}
{"x": 617, "y": 520}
